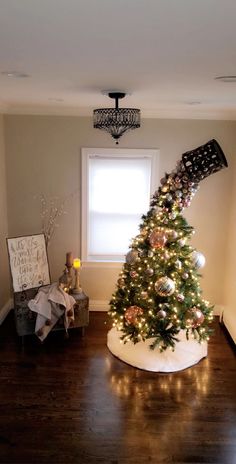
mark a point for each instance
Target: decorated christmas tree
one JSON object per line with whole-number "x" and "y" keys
{"x": 158, "y": 292}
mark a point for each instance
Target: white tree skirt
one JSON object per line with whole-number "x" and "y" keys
{"x": 186, "y": 354}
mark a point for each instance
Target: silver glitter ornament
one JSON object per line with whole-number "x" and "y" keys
{"x": 178, "y": 193}
{"x": 198, "y": 259}
{"x": 165, "y": 286}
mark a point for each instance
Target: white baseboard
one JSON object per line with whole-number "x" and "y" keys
{"x": 5, "y": 310}
{"x": 218, "y": 310}
{"x": 229, "y": 320}
{"x": 98, "y": 305}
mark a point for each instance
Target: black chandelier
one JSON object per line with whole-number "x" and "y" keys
{"x": 116, "y": 120}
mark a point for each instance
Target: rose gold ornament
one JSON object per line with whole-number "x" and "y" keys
{"x": 149, "y": 272}
{"x": 185, "y": 275}
{"x": 194, "y": 317}
{"x": 161, "y": 314}
{"x": 132, "y": 313}
{"x": 133, "y": 274}
{"x": 158, "y": 238}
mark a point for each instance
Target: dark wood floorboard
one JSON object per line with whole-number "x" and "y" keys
{"x": 71, "y": 401}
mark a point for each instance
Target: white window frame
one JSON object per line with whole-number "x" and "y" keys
{"x": 86, "y": 154}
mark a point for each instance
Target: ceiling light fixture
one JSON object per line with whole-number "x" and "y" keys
{"x": 16, "y": 74}
{"x": 226, "y": 78}
{"x": 56, "y": 100}
{"x": 193, "y": 102}
{"x": 116, "y": 120}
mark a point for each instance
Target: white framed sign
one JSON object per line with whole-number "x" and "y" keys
{"x": 28, "y": 262}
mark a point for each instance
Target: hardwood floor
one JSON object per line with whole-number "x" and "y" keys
{"x": 71, "y": 401}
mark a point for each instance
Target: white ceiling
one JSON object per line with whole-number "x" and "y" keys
{"x": 165, "y": 53}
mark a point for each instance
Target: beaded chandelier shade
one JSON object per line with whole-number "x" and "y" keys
{"x": 116, "y": 121}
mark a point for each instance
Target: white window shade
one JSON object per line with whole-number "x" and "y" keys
{"x": 118, "y": 194}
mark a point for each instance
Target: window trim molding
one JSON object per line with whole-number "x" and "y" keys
{"x": 87, "y": 153}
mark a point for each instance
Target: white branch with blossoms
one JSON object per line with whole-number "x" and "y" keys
{"x": 51, "y": 211}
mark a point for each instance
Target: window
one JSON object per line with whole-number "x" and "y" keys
{"x": 116, "y": 189}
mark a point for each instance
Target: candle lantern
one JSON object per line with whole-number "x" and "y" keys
{"x": 77, "y": 266}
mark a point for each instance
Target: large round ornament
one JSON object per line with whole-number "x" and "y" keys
{"x": 198, "y": 259}
{"x": 158, "y": 238}
{"x": 132, "y": 313}
{"x": 165, "y": 286}
{"x": 194, "y": 317}
{"x": 131, "y": 257}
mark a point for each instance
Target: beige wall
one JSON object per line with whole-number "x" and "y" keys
{"x": 4, "y": 269}
{"x": 43, "y": 156}
{"x": 230, "y": 281}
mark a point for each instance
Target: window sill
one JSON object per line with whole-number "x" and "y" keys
{"x": 103, "y": 264}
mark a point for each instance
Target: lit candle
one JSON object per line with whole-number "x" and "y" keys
{"x": 76, "y": 263}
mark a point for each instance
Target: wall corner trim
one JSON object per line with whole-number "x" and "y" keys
{"x": 5, "y": 310}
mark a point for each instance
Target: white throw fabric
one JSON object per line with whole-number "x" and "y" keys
{"x": 50, "y": 303}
